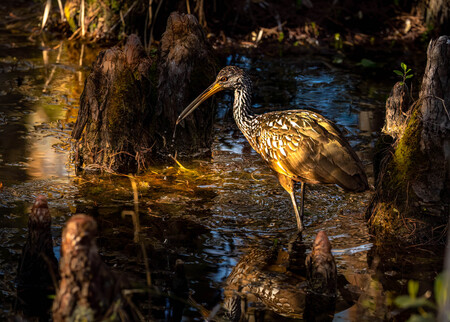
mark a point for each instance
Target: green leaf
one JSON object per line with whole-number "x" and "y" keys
{"x": 408, "y": 71}
{"x": 407, "y": 302}
{"x": 413, "y": 288}
{"x": 403, "y": 65}
{"x": 441, "y": 289}
{"x": 427, "y": 317}
{"x": 399, "y": 73}
{"x": 409, "y": 76}
{"x": 280, "y": 36}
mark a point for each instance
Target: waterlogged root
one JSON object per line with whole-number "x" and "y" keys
{"x": 182, "y": 168}
{"x": 260, "y": 174}
{"x": 174, "y": 158}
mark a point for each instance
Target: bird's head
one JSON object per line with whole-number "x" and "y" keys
{"x": 230, "y": 77}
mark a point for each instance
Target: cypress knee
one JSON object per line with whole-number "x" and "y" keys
{"x": 88, "y": 290}
{"x": 38, "y": 267}
{"x": 412, "y": 200}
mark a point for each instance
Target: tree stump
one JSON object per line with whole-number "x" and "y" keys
{"x": 89, "y": 290}
{"x": 128, "y": 108}
{"x": 38, "y": 268}
{"x": 436, "y": 14}
{"x": 114, "y": 110}
{"x": 397, "y": 106}
{"x": 412, "y": 200}
{"x": 186, "y": 67}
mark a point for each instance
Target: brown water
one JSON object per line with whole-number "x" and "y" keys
{"x": 208, "y": 214}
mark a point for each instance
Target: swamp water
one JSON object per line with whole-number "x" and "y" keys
{"x": 207, "y": 213}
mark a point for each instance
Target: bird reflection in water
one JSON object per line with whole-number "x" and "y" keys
{"x": 263, "y": 282}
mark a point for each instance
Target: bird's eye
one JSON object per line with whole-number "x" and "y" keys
{"x": 223, "y": 79}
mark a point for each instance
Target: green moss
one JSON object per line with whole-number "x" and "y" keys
{"x": 397, "y": 213}
{"x": 407, "y": 154}
{"x": 406, "y": 162}
{"x": 393, "y": 210}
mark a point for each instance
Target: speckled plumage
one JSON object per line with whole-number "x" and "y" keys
{"x": 299, "y": 145}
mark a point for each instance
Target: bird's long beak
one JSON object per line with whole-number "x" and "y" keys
{"x": 211, "y": 90}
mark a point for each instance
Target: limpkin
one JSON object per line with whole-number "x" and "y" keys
{"x": 299, "y": 145}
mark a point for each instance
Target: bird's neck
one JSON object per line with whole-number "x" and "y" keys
{"x": 245, "y": 119}
{"x": 242, "y": 112}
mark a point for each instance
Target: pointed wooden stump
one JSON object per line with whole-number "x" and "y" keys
{"x": 89, "y": 290}
{"x": 412, "y": 200}
{"x": 38, "y": 268}
{"x": 186, "y": 67}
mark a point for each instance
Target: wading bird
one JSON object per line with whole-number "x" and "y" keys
{"x": 299, "y": 145}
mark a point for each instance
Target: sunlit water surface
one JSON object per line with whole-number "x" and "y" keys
{"x": 211, "y": 213}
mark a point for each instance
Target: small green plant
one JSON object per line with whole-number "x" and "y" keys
{"x": 413, "y": 302}
{"x": 404, "y": 73}
{"x": 338, "y": 43}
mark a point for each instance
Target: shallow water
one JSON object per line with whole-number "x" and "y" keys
{"x": 208, "y": 214}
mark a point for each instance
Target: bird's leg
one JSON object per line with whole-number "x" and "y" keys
{"x": 288, "y": 185}
{"x": 302, "y": 202}
{"x": 297, "y": 215}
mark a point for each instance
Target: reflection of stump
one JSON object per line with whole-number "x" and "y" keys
{"x": 322, "y": 281}
{"x": 186, "y": 66}
{"x": 126, "y": 120}
{"x": 114, "y": 109}
{"x": 88, "y": 289}
{"x": 38, "y": 267}
{"x": 320, "y": 266}
{"x": 412, "y": 202}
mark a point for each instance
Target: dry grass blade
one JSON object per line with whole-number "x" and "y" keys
{"x": 153, "y": 25}
{"x": 61, "y": 10}
{"x": 48, "y": 6}
{"x": 122, "y": 17}
{"x": 137, "y": 228}
{"x": 83, "y": 27}
{"x": 178, "y": 163}
{"x": 188, "y": 7}
{"x": 47, "y": 82}
{"x": 44, "y": 54}
{"x": 80, "y": 62}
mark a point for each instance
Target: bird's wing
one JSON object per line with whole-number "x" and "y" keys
{"x": 304, "y": 145}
